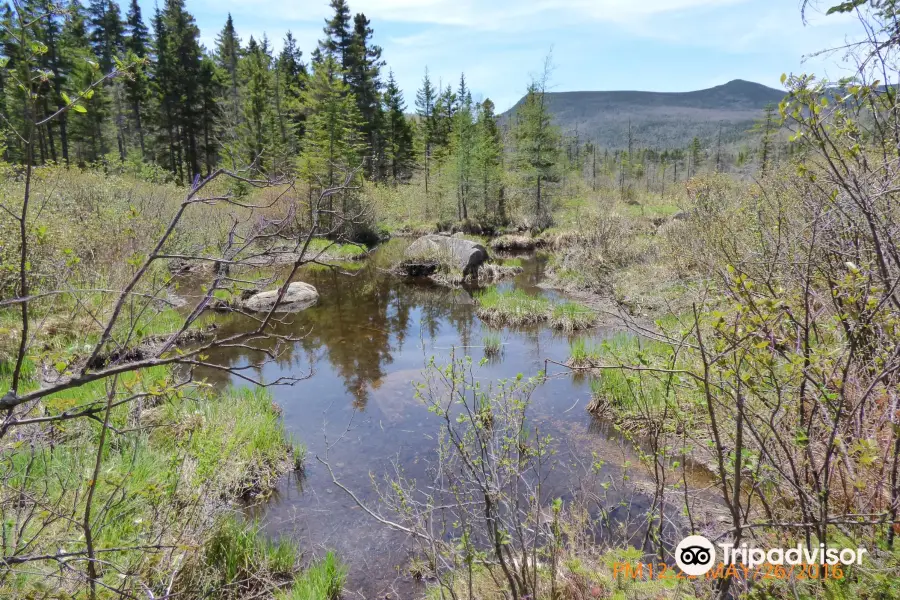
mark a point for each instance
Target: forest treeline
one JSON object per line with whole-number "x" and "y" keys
{"x": 120, "y": 91}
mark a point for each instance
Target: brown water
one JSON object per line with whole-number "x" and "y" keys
{"x": 365, "y": 343}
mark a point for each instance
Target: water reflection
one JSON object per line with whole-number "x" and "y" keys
{"x": 366, "y": 342}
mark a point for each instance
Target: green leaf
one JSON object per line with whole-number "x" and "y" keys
{"x": 65, "y": 98}
{"x": 845, "y": 7}
{"x": 79, "y": 108}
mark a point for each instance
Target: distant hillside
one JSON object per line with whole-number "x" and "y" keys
{"x": 661, "y": 119}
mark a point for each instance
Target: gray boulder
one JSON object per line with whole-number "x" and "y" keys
{"x": 298, "y": 296}
{"x": 462, "y": 254}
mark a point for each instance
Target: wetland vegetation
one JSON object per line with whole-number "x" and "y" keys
{"x": 621, "y": 348}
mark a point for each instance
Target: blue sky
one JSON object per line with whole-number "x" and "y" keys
{"x": 658, "y": 45}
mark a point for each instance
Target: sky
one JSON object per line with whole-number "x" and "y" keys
{"x": 655, "y": 45}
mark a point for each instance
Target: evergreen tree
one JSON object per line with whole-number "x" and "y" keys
{"x": 462, "y": 142}
{"x": 338, "y": 36}
{"x": 363, "y": 64}
{"x": 107, "y": 37}
{"x": 52, "y": 60}
{"x": 227, "y": 56}
{"x": 290, "y": 74}
{"x": 255, "y": 70}
{"x": 398, "y": 133}
{"x": 85, "y": 126}
{"x": 425, "y": 99}
{"x": 177, "y": 82}
{"x": 696, "y": 154}
{"x": 107, "y": 32}
{"x": 487, "y": 159}
{"x": 332, "y": 144}
{"x": 137, "y": 41}
{"x": 765, "y": 127}
{"x": 537, "y": 140}
{"x": 211, "y": 90}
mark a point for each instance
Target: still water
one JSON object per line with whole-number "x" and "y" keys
{"x": 363, "y": 346}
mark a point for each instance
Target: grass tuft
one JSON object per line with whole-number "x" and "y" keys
{"x": 239, "y": 553}
{"x": 492, "y": 344}
{"x": 517, "y": 308}
{"x": 323, "y": 580}
{"x": 571, "y": 316}
{"x": 514, "y": 307}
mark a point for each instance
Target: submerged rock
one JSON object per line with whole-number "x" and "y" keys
{"x": 460, "y": 253}
{"x": 298, "y": 296}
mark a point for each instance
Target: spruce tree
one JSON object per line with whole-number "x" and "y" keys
{"x": 137, "y": 40}
{"x": 211, "y": 90}
{"x": 425, "y": 99}
{"x": 107, "y": 32}
{"x": 332, "y": 145}
{"x": 537, "y": 141}
{"x": 363, "y": 64}
{"x": 462, "y": 142}
{"x": 398, "y": 133}
{"x": 107, "y": 37}
{"x": 487, "y": 159}
{"x": 290, "y": 82}
{"x": 85, "y": 126}
{"x": 177, "y": 81}
{"x": 258, "y": 135}
{"x": 338, "y": 36}
{"x": 227, "y": 56}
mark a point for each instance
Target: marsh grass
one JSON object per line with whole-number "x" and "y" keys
{"x": 581, "y": 573}
{"x": 239, "y": 554}
{"x": 513, "y": 242}
{"x": 511, "y": 262}
{"x": 513, "y": 307}
{"x": 322, "y": 580}
{"x": 492, "y": 343}
{"x": 332, "y": 266}
{"x": 517, "y": 308}
{"x": 571, "y": 316}
{"x": 628, "y": 395}
{"x": 184, "y": 455}
{"x": 584, "y": 353}
{"x": 335, "y": 250}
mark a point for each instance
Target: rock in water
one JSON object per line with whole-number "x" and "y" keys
{"x": 463, "y": 254}
{"x": 299, "y": 296}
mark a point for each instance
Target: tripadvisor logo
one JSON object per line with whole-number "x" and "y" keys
{"x": 695, "y": 555}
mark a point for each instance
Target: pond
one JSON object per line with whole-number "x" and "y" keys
{"x": 364, "y": 344}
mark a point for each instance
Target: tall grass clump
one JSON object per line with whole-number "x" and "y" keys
{"x": 513, "y": 307}
{"x": 629, "y": 396}
{"x": 242, "y": 425}
{"x": 239, "y": 557}
{"x": 323, "y": 580}
{"x": 583, "y": 353}
{"x": 517, "y": 308}
{"x": 511, "y": 262}
{"x": 492, "y": 344}
{"x": 334, "y": 249}
{"x": 570, "y": 316}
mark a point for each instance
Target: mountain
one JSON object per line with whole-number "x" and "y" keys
{"x": 661, "y": 119}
